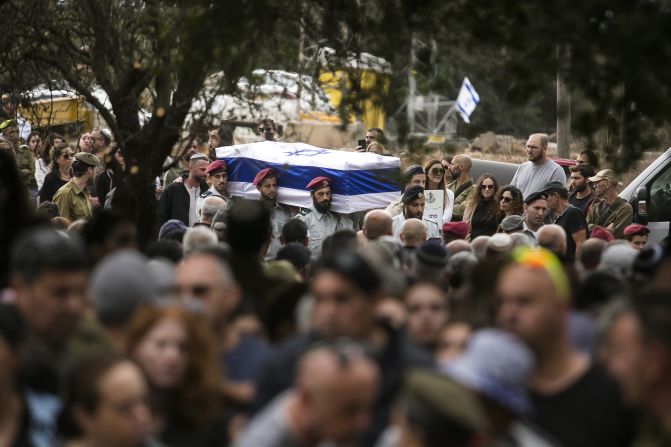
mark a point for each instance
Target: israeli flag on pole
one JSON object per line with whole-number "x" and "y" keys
{"x": 360, "y": 180}
{"x": 467, "y": 100}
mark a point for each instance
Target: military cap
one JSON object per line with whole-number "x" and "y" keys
{"x": 216, "y": 166}
{"x": 514, "y": 222}
{"x": 444, "y": 397}
{"x": 262, "y": 175}
{"x": 605, "y": 174}
{"x": 601, "y": 233}
{"x": 412, "y": 193}
{"x": 553, "y": 186}
{"x": 318, "y": 183}
{"x": 87, "y": 158}
{"x": 636, "y": 229}
{"x": 412, "y": 170}
{"x": 535, "y": 196}
{"x": 458, "y": 229}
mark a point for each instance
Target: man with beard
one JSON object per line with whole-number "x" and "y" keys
{"x": 73, "y": 198}
{"x": 320, "y": 220}
{"x": 609, "y": 211}
{"x": 176, "y": 168}
{"x": 414, "y": 176}
{"x": 539, "y": 170}
{"x": 413, "y": 208}
{"x": 178, "y": 201}
{"x": 582, "y": 195}
{"x": 217, "y": 137}
{"x": 217, "y": 174}
{"x": 266, "y": 183}
{"x": 461, "y": 184}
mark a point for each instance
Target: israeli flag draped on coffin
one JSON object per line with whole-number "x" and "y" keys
{"x": 361, "y": 180}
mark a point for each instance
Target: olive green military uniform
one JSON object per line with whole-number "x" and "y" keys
{"x": 73, "y": 202}
{"x": 26, "y": 165}
{"x": 619, "y": 214}
{"x": 461, "y": 196}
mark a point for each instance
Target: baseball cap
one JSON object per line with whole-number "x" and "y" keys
{"x": 605, "y": 174}
{"x": 87, "y": 158}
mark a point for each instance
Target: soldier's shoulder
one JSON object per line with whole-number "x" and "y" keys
{"x": 304, "y": 211}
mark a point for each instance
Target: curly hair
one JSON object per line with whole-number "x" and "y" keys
{"x": 517, "y": 204}
{"x": 197, "y": 398}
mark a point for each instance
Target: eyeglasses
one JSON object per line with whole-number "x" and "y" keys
{"x": 506, "y": 199}
{"x": 528, "y": 146}
{"x": 483, "y": 187}
{"x": 437, "y": 171}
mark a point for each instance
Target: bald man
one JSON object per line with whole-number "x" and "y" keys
{"x": 413, "y": 233}
{"x": 376, "y": 223}
{"x": 209, "y": 207}
{"x": 330, "y": 402}
{"x": 538, "y": 169}
{"x": 573, "y": 399}
{"x": 457, "y": 246}
{"x": 553, "y": 237}
{"x": 461, "y": 184}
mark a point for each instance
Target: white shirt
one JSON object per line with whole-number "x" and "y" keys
{"x": 193, "y": 200}
{"x": 531, "y": 177}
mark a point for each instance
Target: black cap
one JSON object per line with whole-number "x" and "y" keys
{"x": 535, "y": 196}
{"x": 412, "y": 170}
{"x": 412, "y": 193}
{"x": 553, "y": 186}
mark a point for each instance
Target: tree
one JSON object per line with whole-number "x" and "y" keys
{"x": 130, "y": 48}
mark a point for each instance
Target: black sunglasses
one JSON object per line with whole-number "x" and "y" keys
{"x": 486, "y": 186}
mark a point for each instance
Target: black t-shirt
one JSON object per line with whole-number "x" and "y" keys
{"x": 571, "y": 220}
{"x": 589, "y": 413}
{"x": 581, "y": 204}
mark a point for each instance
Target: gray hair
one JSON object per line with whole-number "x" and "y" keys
{"x": 197, "y": 238}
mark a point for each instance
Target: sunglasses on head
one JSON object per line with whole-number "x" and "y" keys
{"x": 486, "y": 186}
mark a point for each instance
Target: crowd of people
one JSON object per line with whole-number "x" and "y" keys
{"x": 534, "y": 313}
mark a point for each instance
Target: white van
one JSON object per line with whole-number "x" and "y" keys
{"x": 650, "y": 196}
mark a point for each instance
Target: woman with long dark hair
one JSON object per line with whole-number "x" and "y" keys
{"x": 482, "y": 212}
{"x": 61, "y": 160}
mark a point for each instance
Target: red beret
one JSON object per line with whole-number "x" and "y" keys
{"x": 318, "y": 183}
{"x": 458, "y": 229}
{"x": 602, "y": 233}
{"x": 216, "y": 166}
{"x": 636, "y": 229}
{"x": 262, "y": 175}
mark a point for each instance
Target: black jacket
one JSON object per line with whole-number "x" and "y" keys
{"x": 174, "y": 203}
